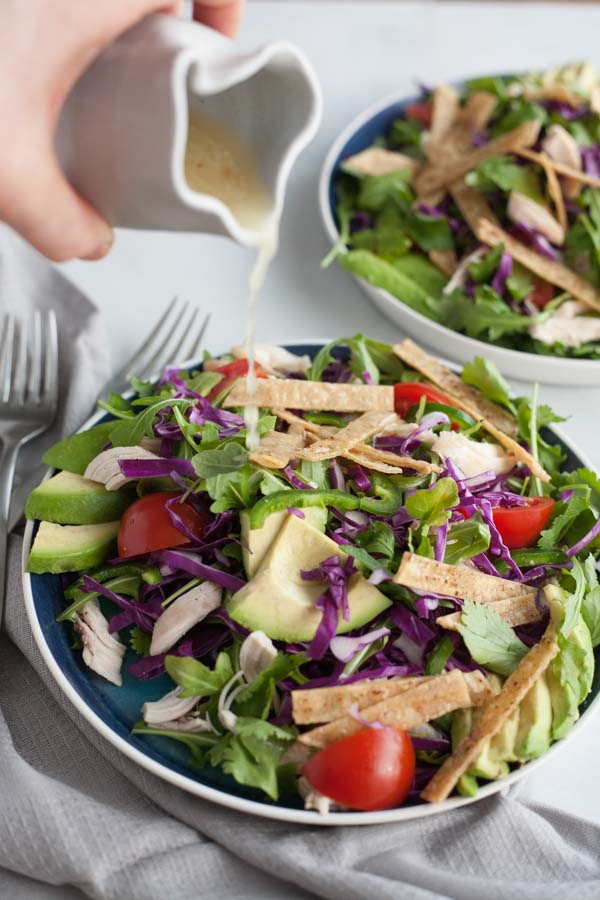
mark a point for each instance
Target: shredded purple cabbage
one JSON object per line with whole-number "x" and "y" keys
{"x": 534, "y": 239}
{"x": 585, "y": 540}
{"x": 191, "y": 563}
{"x": 590, "y": 158}
{"x": 359, "y": 475}
{"x": 144, "y": 619}
{"x": 503, "y": 272}
{"x": 336, "y": 476}
{"x": 332, "y": 602}
{"x": 156, "y": 468}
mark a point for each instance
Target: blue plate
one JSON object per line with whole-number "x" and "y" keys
{"x": 113, "y": 710}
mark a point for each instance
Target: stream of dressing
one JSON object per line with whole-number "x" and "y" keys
{"x": 217, "y": 163}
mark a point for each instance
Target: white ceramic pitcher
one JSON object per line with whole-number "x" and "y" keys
{"x": 122, "y": 135}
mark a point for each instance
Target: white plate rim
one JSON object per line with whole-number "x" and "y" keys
{"x": 252, "y": 807}
{"x": 568, "y": 368}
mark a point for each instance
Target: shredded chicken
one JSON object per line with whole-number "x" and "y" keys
{"x": 183, "y": 613}
{"x": 562, "y": 147}
{"x": 523, "y": 210}
{"x": 276, "y": 360}
{"x": 256, "y": 654}
{"x": 472, "y": 457}
{"x": 105, "y": 469}
{"x": 169, "y": 708}
{"x": 314, "y": 799}
{"x": 102, "y": 651}
{"x": 567, "y": 327}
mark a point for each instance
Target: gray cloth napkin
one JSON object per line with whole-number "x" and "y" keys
{"x": 76, "y": 816}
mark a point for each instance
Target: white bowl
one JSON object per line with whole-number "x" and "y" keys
{"x": 513, "y": 363}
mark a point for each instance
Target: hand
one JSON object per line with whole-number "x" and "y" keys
{"x": 44, "y": 48}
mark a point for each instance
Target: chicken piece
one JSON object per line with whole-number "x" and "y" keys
{"x": 276, "y": 360}
{"x": 472, "y": 457}
{"x": 104, "y": 468}
{"x": 256, "y": 654}
{"x": 567, "y": 327}
{"x": 182, "y": 614}
{"x": 168, "y": 709}
{"x": 102, "y": 651}
{"x": 561, "y": 147}
{"x": 523, "y": 210}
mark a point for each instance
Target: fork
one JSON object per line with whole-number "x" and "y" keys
{"x": 28, "y": 401}
{"x": 176, "y": 337}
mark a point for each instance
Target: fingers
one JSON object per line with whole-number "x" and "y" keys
{"x": 52, "y": 217}
{"x": 222, "y": 15}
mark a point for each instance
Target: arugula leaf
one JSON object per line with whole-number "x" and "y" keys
{"x": 376, "y": 190}
{"x": 117, "y": 406}
{"x": 361, "y": 359}
{"x": 385, "y": 238}
{"x": 466, "y": 540}
{"x": 386, "y": 275}
{"x": 483, "y": 269}
{"x": 197, "y": 679}
{"x": 378, "y": 538}
{"x": 502, "y": 172}
{"x": 129, "y": 432}
{"x": 518, "y": 111}
{"x": 563, "y": 518}
{"x": 345, "y": 195}
{"x": 519, "y": 282}
{"x": 488, "y": 313}
{"x": 257, "y": 697}
{"x": 429, "y": 232}
{"x": 406, "y": 134}
{"x": 271, "y": 483}
{"x": 363, "y": 557}
{"x": 234, "y": 490}
{"x": 73, "y": 454}
{"x": 386, "y": 360}
{"x": 423, "y": 273}
{"x": 323, "y": 358}
{"x": 196, "y": 742}
{"x": 432, "y": 506}
{"x": 227, "y": 458}
{"x": 314, "y": 473}
{"x": 489, "y": 639}
{"x": 252, "y": 754}
{"x": 484, "y": 375}
{"x": 140, "y": 641}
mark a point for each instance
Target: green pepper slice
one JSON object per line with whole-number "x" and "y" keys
{"x": 299, "y": 498}
{"x": 388, "y": 496}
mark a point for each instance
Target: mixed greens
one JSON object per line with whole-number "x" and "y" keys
{"x": 262, "y": 582}
{"x": 521, "y": 152}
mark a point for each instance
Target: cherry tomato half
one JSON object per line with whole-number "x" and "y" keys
{"x": 146, "y": 525}
{"x": 521, "y": 526}
{"x": 372, "y": 769}
{"x": 407, "y": 393}
{"x": 422, "y": 112}
{"x": 542, "y": 293}
{"x": 231, "y": 371}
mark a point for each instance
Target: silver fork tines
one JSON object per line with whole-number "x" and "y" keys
{"x": 28, "y": 399}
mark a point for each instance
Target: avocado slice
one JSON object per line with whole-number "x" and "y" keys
{"x": 280, "y": 603}
{"x": 256, "y": 542}
{"x": 535, "y": 721}
{"x": 69, "y": 499}
{"x": 71, "y": 548}
{"x": 488, "y": 764}
{"x": 74, "y": 453}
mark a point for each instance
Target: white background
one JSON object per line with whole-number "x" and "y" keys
{"x": 361, "y": 51}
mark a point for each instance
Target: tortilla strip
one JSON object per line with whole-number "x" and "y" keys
{"x": 434, "y": 176}
{"x": 419, "y": 573}
{"x": 469, "y": 398}
{"x": 445, "y": 109}
{"x": 514, "y": 610}
{"x": 292, "y": 419}
{"x": 328, "y": 703}
{"x": 379, "y": 161}
{"x": 356, "y": 432}
{"x": 478, "y": 110}
{"x": 390, "y": 463}
{"x": 276, "y": 449}
{"x": 560, "y": 168}
{"x": 554, "y": 188}
{"x": 471, "y": 204}
{"x": 276, "y": 392}
{"x": 445, "y": 260}
{"x": 548, "y": 269}
{"x": 438, "y": 696}
{"x": 494, "y": 419}
{"x": 495, "y": 713}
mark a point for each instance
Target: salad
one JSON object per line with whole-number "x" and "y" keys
{"x": 480, "y": 209}
{"x": 395, "y": 596}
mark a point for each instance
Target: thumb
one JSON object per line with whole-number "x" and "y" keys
{"x": 45, "y": 209}
{"x": 222, "y": 15}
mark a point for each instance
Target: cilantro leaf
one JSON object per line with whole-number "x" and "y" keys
{"x": 376, "y": 190}
{"x": 482, "y": 269}
{"x": 519, "y": 282}
{"x": 490, "y": 640}
{"x": 484, "y": 375}
{"x": 252, "y": 753}
{"x": 502, "y": 172}
{"x": 563, "y": 518}
{"x": 256, "y": 698}
{"x": 197, "y": 679}
{"x": 129, "y": 432}
{"x": 432, "y": 506}
{"x": 140, "y": 641}
{"x": 228, "y": 457}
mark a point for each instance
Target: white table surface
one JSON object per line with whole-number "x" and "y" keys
{"x": 361, "y": 51}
